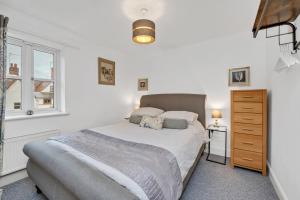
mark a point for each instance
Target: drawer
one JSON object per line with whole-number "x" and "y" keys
{"x": 248, "y": 96}
{"x": 248, "y": 142}
{"x": 248, "y": 159}
{"x": 245, "y": 107}
{"x": 247, "y": 118}
{"x": 247, "y": 129}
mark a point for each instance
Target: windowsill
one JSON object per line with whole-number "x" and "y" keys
{"x": 41, "y": 115}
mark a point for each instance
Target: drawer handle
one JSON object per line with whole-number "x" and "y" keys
{"x": 247, "y": 119}
{"x": 247, "y": 108}
{"x": 248, "y": 143}
{"x": 248, "y": 97}
{"x": 247, "y": 159}
{"x": 245, "y": 129}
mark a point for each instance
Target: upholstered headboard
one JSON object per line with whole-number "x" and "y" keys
{"x": 179, "y": 102}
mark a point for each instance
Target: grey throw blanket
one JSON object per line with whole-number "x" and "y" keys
{"x": 154, "y": 169}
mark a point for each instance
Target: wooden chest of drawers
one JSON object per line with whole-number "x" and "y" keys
{"x": 249, "y": 129}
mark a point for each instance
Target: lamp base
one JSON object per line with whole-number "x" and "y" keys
{"x": 216, "y": 124}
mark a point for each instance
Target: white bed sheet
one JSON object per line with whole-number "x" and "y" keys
{"x": 184, "y": 144}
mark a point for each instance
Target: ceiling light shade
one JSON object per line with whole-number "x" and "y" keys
{"x": 143, "y": 31}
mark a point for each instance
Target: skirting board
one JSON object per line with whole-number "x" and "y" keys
{"x": 11, "y": 178}
{"x": 276, "y": 184}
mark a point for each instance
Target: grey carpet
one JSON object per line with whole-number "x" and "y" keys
{"x": 210, "y": 181}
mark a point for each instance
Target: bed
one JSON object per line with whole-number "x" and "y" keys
{"x": 61, "y": 172}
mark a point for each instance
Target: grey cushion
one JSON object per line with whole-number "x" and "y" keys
{"x": 175, "y": 123}
{"x": 135, "y": 119}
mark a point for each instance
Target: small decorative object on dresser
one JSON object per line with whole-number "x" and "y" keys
{"x": 106, "y": 72}
{"x": 249, "y": 129}
{"x": 239, "y": 76}
{"x": 143, "y": 84}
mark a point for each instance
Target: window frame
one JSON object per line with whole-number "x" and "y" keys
{"x": 27, "y": 74}
{"x": 20, "y": 43}
{"x": 49, "y": 50}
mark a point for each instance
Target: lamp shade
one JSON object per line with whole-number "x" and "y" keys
{"x": 143, "y": 31}
{"x": 216, "y": 114}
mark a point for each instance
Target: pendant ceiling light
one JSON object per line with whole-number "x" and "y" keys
{"x": 143, "y": 30}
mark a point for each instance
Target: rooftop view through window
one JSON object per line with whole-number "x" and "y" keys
{"x": 42, "y": 70}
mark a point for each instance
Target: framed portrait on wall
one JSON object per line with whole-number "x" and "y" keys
{"x": 106, "y": 72}
{"x": 239, "y": 76}
{"x": 143, "y": 84}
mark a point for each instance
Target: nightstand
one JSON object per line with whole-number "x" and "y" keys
{"x": 221, "y": 129}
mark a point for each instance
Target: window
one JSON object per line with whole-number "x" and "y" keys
{"x": 43, "y": 79}
{"x": 31, "y": 78}
{"x": 14, "y": 77}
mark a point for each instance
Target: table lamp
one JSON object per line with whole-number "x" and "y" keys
{"x": 216, "y": 114}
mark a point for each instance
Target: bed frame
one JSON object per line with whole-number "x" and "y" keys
{"x": 53, "y": 189}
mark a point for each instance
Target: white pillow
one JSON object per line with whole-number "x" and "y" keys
{"x": 190, "y": 117}
{"x": 152, "y": 122}
{"x": 147, "y": 111}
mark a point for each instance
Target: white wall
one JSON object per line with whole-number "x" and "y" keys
{"x": 284, "y": 134}
{"x": 203, "y": 68}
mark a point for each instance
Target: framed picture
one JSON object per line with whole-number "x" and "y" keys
{"x": 106, "y": 72}
{"x": 239, "y": 76}
{"x": 143, "y": 84}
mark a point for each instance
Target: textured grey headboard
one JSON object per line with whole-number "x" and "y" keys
{"x": 179, "y": 102}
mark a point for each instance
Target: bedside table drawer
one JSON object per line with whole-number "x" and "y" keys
{"x": 247, "y": 118}
{"x": 248, "y": 96}
{"x": 250, "y": 129}
{"x": 243, "y": 107}
{"x": 248, "y": 159}
{"x": 248, "y": 142}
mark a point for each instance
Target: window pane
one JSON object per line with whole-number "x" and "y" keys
{"x": 43, "y": 65}
{"x": 14, "y": 60}
{"x": 43, "y": 94}
{"x": 13, "y": 94}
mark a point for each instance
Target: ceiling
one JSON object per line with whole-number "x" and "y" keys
{"x": 108, "y": 22}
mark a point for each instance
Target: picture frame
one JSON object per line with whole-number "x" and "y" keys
{"x": 239, "y": 76}
{"x": 106, "y": 72}
{"x": 143, "y": 84}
